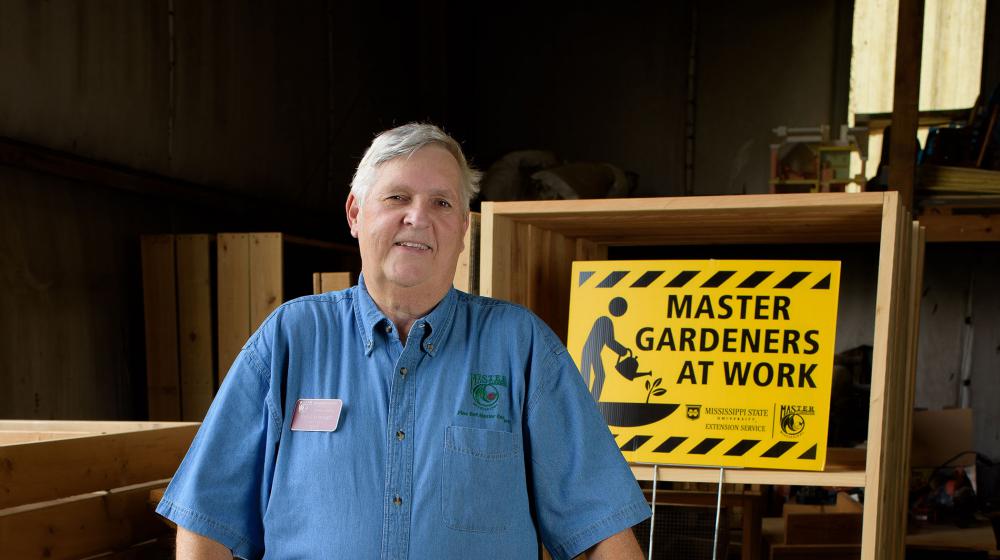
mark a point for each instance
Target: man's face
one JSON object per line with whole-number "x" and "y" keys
{"x": 411, "y": 223}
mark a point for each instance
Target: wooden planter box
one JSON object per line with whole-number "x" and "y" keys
{"x": 78, "y": 489}
{"x": 528, "y": 249}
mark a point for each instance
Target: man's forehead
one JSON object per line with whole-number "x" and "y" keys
{"x": 402, "y": 176}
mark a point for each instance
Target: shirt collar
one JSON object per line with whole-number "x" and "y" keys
{"x": 438, "y": 321}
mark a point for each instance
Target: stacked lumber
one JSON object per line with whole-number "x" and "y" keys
{"x": 80, "y": 489}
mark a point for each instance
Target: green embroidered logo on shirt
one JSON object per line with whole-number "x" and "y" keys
{"x": 486, "y": 389}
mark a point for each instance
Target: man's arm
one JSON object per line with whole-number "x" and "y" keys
{"x": 620, "y": 546}
{"x": 192, "y": 546}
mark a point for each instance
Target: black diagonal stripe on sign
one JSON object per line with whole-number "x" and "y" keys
{"x": 792, "y": 280}
{"x": 718, "y": 278}
{"x": 612, "y": 279}
{"x": 705, "y": 446}
{"x": 810, "y": 454}
{"x": 741, "y": 448}
{"x": 682, "y": 278}
{"x": 778, "y": 449}
{"x": 584, "y": 276}
{"x": 823, "y": 284}
{"x": 755, "y": 279}
{"x": 647, "y": 278}
{"x": 635, "y": 443}
{"x": 670, "y": 444}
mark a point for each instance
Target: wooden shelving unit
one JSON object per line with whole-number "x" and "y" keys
{"x": 528, "y": 248}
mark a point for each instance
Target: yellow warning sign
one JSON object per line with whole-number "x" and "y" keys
{"x": 722, "y": 363}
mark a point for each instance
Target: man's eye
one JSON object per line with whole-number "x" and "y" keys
{"x": 444, "y": 203}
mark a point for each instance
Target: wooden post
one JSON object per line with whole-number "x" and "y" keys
{"x": 906, "y": 99}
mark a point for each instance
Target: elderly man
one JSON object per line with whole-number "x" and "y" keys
{"x": 402, "y": 418}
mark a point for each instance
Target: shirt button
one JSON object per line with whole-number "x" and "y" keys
{"x": 403, "y": 371}
{"x": 400, "y": 435}
{"x": 388, "y": 328}
{"x": 430, "y": 347}
{"x": 398, "y": 501}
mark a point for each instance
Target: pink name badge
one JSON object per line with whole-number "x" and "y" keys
{"x": 316, "y": 415}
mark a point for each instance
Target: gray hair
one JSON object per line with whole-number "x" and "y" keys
{"x": 404, "y": 141}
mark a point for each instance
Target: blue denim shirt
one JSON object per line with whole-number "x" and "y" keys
{"x": 477, "y": 438}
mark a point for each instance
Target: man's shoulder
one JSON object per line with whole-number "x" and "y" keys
{"x": 490, "y": 314}
{"x": 311, "y": 308}
{"x": 496, "y": 309}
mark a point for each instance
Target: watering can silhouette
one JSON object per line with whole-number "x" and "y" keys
{"x": 629, "y": 367}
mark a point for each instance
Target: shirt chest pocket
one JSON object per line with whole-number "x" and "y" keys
{"x": 482, "y": 477}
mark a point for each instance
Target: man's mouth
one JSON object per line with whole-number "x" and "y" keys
{"x": 413, "y": 245}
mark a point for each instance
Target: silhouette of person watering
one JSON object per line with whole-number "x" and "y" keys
{"x": 601, "y": 334}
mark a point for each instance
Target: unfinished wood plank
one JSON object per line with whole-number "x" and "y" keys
{"x": 266, "y": 276}
{"x": 47, "y": 470}
{"x": 8, "y": 438}
{"x": 194, "y": 315}
{"x": 81, "y": 427}
{"x": 159, "y": 291}
{"x": 830, "y": 477}
{"x": 233, "y": 297}
{"x": 520, "y": 269}
{"x": 886, "y": 302}
{"x": 784, "y": 219}
{"x": 80, "y": 526}
{"x": 331, "y": 281}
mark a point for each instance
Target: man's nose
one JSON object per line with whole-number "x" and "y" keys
{"x": 417, "y": 214}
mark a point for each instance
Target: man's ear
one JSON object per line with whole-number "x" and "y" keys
{"x": 353, "y": 208}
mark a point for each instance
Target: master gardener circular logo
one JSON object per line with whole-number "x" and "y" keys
{"x": 486, "y": 389}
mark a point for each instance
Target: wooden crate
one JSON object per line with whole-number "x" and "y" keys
{"x": 78, "y": 489}
{"x": 528, "y": 248}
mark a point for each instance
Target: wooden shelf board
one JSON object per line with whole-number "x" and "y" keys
{"x": 743, "y": 219}
{"x": 850, "y": 478}
{"x": 844, "y": 467}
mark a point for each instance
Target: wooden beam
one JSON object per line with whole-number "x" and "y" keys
{"x": 331, "y": 281}
{"x": 906, "y": 99}
{"x": 80, "y": 526}
{"x": 46, "y": 470}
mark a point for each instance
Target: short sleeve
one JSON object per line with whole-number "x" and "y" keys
{"x": 221, "y": 488}
{"x": 582, "y": 487}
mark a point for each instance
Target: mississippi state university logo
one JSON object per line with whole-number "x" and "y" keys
{"x": 486, "y": 389}
{"x": 793, "y": 418}
{"x": 694, "y": 411}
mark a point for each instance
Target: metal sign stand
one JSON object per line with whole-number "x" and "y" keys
{"x": 718, "y": 505}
